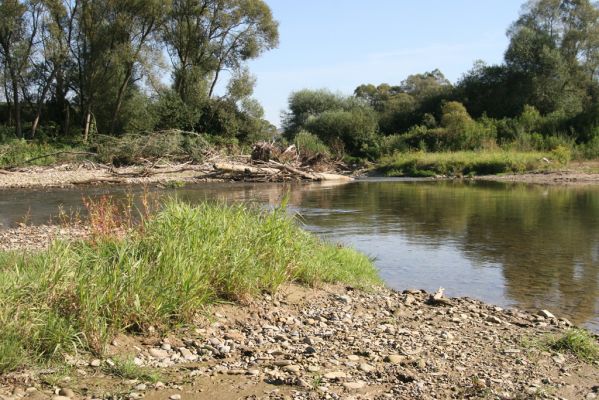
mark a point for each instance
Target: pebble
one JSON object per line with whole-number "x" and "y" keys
{"x": 175, "y": 397}
{"x": 158, "y": 353}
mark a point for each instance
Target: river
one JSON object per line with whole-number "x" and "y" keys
{"x": 514, "y": 245}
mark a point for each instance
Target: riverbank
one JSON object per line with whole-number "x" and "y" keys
{"x": 127, "y": 317}
{"x": 330, "y": 342}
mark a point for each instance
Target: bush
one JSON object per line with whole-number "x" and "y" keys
{"x": 356, "y": 128}
{"x": 310, "y": 145}
{"x": 463, "y": 163}
{"x": 134, "y": 149}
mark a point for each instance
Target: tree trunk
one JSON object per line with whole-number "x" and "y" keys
{"x": 17, "y": 106}
{"x": 119, "y": 100}
{"x": 88, "y": 116}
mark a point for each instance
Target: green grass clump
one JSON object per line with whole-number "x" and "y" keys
{"x": 127, "y": 369}
{"x": 421, "y": 164}
{"x": 578, "y": 342}
{"x": 76, "y": 296}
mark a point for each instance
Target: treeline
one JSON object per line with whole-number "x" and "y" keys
{"x": 72, "y": 68}
{"x": 544, "y": 96}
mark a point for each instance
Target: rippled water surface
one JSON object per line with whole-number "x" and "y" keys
{"x": 527, "y": 246}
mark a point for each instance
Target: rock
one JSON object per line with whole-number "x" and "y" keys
{"x": 493, "y": 319}
{"x": 166, "y": 346}
{"x": 66, "y": 392}
{"x": 60, "y": 398}
{"x": 409, "y": 300}
{"x": 546, "y": 314}
{"x": 282, "y": 363}
{"x": 559, "y": 359}
{"x": 313, "y": 368}
{"x": 394, "y": 358}
{"x": 344, "y": 299}
{"x": 293, "y": 368}
{"x": 158, "y": 353}
{"x": 95, "y": 363}
{"x": 336, "y": 375}
{"x": 353, "y": 357}
{"x": 187, "y": 354}
{"x": 135, "y": 395}
{"x": 354, "y": 385}
{"x": 175, "y": 397}
{"x": 141, "y": 387}
{"x": 253, "y": 372}
{"x": 366, "y": 367}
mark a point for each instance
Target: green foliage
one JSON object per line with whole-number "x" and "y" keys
{"x": 579, "y": 342}
{"x": 133, "y": 149}
{"x": 310, "y": 145}
{"x": 15, "y": 152}
{"x": 464, "y": 163}
{"x": 127, "y": 369}
{"x": 79, "y": 295}
{"x": 356, "y": 129}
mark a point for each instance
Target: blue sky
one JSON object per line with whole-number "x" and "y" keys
{"x": 340, "y": 44}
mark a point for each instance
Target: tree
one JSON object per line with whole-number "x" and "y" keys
{"x": 207, "y": 37}
{"x": 18, "y": 30}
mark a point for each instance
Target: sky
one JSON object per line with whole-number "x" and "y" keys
{"x": 340, "y": 44}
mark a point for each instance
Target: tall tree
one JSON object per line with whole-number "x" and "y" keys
{"x": 207, "y": 37}
{"x": 18, "y": 30}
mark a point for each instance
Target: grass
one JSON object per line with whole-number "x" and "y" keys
{"x": 127, "y": 369}
{"x": 462, "y": 163}
{"x": 576, "y": 341}
{"x": 18, "y": 152}
{"x": 77, "y": 296}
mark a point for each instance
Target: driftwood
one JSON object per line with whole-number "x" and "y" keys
{"x": 277, "y": 170}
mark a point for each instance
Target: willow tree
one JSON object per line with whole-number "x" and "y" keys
{"x": 205, "y": 38}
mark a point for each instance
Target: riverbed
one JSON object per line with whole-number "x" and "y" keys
{"x": 515, "y": 245}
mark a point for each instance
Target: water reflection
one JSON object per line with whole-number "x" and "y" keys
{"x": 529, "y": 246}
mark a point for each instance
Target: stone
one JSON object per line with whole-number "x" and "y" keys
{"x": 354, "y": 385}
{"x": 187, "y": 354}
{"x": 135, "y": 395}
{"x": 141, "y": 387}
{"x": 366, "y": 367}
{"x": 158, "y": 353}
{"x": 175, "y": 397}
{"x": 336, "y": 375}
{"x": 66, "y": 392}
{"x": 95, "y": 363}
{"x": 493, "y": 319}
{"x": 353, "y": 357}
{"x": 282, "y": 363}
{"x": 546, "y": 314}
{"x": 293, "y": 368}
{"x": 394, "y": 358}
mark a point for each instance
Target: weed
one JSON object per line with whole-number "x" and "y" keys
{"x": 127, "y": 369}
{"x": 579, "y": 342}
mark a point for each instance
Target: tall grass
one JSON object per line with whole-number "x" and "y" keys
{"x": 469, "y": 163}
{"x": 18, "y": 152}
{"x": 76, "y": 296}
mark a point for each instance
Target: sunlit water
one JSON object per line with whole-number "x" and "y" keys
{"x": 526, "y": 246}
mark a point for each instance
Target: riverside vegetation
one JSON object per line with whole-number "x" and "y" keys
{"x": 76, "y": 296}
{"x": 217, "y": 300}
{"x": 535, "y": 111}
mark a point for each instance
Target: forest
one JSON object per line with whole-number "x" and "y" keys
{"x": 79, "y": 72}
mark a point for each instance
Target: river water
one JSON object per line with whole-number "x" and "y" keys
{"x": 525, "y": 246}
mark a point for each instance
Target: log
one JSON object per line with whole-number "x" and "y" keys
{"x": 245, "y": 169}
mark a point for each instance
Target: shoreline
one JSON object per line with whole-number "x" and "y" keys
{"x": 74, "y": 175}
{"x": 334, "y": 342}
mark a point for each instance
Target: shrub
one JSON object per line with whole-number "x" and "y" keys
{"x": 310, "y": 145}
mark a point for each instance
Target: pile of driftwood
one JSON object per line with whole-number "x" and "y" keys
{"x": 270, "y": 162}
